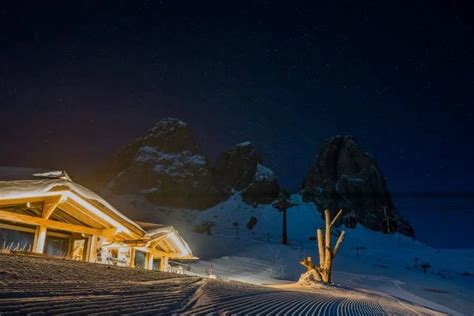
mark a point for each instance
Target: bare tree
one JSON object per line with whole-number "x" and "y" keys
{"x": 326, "y": 255}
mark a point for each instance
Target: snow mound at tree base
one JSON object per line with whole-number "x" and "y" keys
{"x": 310, "y": 279}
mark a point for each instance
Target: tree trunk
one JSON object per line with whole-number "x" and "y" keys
{"x": 326, "y": 255}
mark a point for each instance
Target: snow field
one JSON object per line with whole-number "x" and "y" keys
{"x": 38, "y": 286}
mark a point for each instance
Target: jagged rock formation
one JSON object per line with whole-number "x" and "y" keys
{"x": 166, "y": 166}
{"x": 241, "y": 169}
{"x": 343, "y": 176}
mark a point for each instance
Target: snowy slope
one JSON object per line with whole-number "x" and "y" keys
{"x": 76, "y": 288}
{"x": 367, "y": 260}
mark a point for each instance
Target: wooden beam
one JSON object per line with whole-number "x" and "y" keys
{"x": 82, "y": 214}
{"x": 18, "y": 228}
{"x": 100, "y": 216}
{"x": 155, "y": 242}
{"x": 22, "y": 200}
{"x": 26, "y": 219}
{"x": 158, "y": 253}
{"x": 109, "y": 232}
{"x": 50, "y": 205}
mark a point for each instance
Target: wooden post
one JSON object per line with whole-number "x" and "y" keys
{"x": 40, "y": 239}
{"x": 164, "y": 263}
{"x": 132, "y": 257}
{"x": 149, "y": 265}
{"x": 92, "y": 249}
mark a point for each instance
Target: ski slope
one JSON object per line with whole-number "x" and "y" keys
{"x": 367, "y": 260}
{"x": 39, "y": 285}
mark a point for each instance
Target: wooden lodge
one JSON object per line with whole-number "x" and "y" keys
{"x": 49, "y": 214}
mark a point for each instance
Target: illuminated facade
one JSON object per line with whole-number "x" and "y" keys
{"x": 47, "y": 213}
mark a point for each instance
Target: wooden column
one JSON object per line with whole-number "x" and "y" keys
{"x": 92, "y": 249}
{"x": 150, "y": 261}
{"x": 40, "y": 239}
{"x": 132, "y": 257}
{"x": 164, "y": 263}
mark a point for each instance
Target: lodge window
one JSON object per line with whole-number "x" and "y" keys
{"x": 16, "y": 237}
{"x": 156, "y": 263}
{"x": 56, "y": 246}
{"x": 140, "y": 259}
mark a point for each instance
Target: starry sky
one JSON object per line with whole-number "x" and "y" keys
{"x": 80, "y": 80}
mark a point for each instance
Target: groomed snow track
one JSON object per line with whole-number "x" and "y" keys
{"x": 39, "y": 286}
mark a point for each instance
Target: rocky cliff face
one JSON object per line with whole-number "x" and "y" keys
{"x": 168, "y": 168}
{"x": 343, "y": 176}
{"x": 241, "y": 169}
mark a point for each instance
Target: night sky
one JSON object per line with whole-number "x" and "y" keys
{"x": 78, "y": 81}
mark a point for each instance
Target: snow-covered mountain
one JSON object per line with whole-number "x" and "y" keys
{"x": 168, "y": 168}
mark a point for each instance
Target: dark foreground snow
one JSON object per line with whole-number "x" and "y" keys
{"x": 38, "y": 285}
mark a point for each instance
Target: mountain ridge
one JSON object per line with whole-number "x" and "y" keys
{"x": 169, "y": 169}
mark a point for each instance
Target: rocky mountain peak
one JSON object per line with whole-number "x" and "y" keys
{"x": 241, "y": 169}
{"x": 343, "y": 176}
{"x": 235, "y": 168}
{"x": 170, "y": 135}
{"x": 167, "y": 166}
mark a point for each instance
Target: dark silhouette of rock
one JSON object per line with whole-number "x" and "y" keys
{"x": 235, "y": 168}
{"x": 241, "y": 169}
{"x": 167, "y": 167}
{"x": 345, "y": 177}
{"x": 263, "y": 189}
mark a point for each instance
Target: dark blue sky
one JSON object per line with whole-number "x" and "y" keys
{"x": 78, "y": 81}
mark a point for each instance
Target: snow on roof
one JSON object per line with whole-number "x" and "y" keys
{"x": 150, "y": 227}
{"x": 154, "y": 231}
{"x": 22, "y": 182}
{"x": 16, "y": 173}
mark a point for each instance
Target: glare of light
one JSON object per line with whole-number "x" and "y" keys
{"x": 179, "y": 243}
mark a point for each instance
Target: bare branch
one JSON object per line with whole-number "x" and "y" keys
{"x": 336, "y": 218}
{"x": 338, "y": 243}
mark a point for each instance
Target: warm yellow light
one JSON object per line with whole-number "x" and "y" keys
{"x": 97, "y": 212}
{"x": 178, "y": 242}
{"x": 64, "y": 196}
